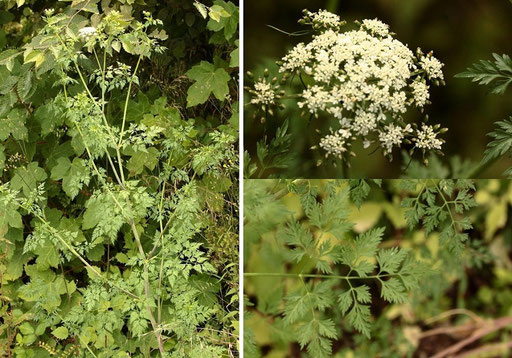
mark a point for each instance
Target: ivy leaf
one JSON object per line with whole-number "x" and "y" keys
{"x": 50, "y": 116}
{"x": 234, "y": 56}
{"x": 74, "y": 175}
{"x": 139, "y": 160}
{"x": 208, "y": 79}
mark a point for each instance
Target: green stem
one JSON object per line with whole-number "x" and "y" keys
{"x": 300, "y": 276}
{"x": 125, "y": 111}
{"x": 482, "y": 167}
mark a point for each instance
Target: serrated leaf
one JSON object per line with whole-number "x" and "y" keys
{"x": 363, "y": 294}
{"x": 496, "y": 74}
{"x": 345, "y": 301}
{"x": 26, "y": 178}
{"x": 7, "y": 58}
{"x": 208, "y": 80}
{"x": 202, "y": 9}
{"x": 502, "y": 140}
{"x": 74, "y": 175}
{"x": 393, "y": 291}
{"x": 389, "y": 260}
{"x": 359, "y": 318}
{"x": 60, "y": 332}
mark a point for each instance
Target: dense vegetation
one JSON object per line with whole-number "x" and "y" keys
{"x": 118, "y": 178}
{"x": 394, "y": 268}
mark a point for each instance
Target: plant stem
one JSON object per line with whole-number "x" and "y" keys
{"x": 482, "y": 167}
{"x": 300, "y": 275}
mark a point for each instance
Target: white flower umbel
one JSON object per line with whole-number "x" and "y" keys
{"x": 427, "y": 138}
{"x": 433, "y": 67}
{"x": 322, "y": 18}
{"x": 420, "y": 93}
{"x": 392, "y": 136}
{"x": 376, "y": 27}
{"x": 336, "y": 143}
{"x": 87, "y": 32}
{"x": 364, "y": 77}
{"x": 263, "y": 93}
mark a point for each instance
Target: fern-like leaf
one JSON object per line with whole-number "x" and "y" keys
{"x": 496, "y": 74}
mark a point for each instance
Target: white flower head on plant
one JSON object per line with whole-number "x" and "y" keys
{"x": 364, "y": 77}
{"x": 427, "y": 139}
{"x": 420, "y": 93}
{"x": 87, "y": 32}
{"x": 336, "y": 143}
{"x": 376, "y": 27}
{"x": 392, "y": 136}
{"x": 321, "y": 19}
{"x": 433, "y": 67}
{"x": 263, "y": 93}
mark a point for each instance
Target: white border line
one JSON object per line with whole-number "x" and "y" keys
{"x": 241, "y": 179}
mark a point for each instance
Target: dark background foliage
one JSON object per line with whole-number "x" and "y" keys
{"x": 460, "y": 32}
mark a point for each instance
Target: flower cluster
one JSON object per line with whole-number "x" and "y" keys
{"x": 365, "y": 79}
{"x": 266, "y": 92}
{"x": 86, "y": 32}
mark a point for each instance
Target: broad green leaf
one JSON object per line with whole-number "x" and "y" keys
{"x": 208, "y": 79}
{"x": 14, "y": 124}
{"x": 60, "y": 332}
{"x": 74, "y": 175}
{"x": 217, "y": 11}
{"x": 7, "y": 58}
{"x": 36, "y": 56}
{"x": 27, "y": 178}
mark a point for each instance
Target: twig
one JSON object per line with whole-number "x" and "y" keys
{"x": 485, "y": 329}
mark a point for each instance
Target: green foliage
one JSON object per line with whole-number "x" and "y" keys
{"x": 501, "y": 144}
{"x": 208, "y": 80}
{"x": 118, "y": 198}
{"x": 496, "y": 74}
{"x": 328, "y": 261}
{"x": 436, "y": 205}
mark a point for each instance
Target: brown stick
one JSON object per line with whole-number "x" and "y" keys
{"x": 484, "y": 330}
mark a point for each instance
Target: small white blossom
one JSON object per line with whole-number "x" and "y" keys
{"x": 315, "y": 99}
{"x": 433, "y": 67}
{"x": 87, "y": 32}
{"x": 376, "y": 27}
{"x": 263, "y": 93}
{"x": 297, "y": 58}
{"x": 420, "y": 93}
{"x": 336, "y": 143}
{"x": 427, "y": 138}
{"x": 324, "y": 18}
{"x": 393, "y": 136}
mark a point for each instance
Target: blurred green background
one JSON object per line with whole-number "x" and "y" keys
{"x": 460, "y": 32}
